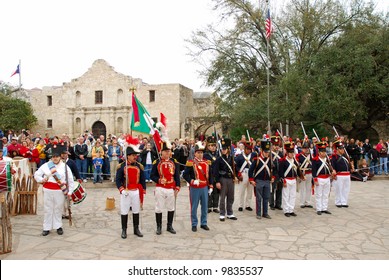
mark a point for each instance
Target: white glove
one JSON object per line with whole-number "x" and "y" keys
{"x": 196, "y": 182}
{"x": 210, "y": 191}
{"x": 125, "y": 193}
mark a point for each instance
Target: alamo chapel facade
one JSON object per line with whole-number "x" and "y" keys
{"x": 100, "y": 101}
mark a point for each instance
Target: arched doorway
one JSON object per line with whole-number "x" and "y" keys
{"x": 98, "y": 128}
{"x": 201, "y": 131}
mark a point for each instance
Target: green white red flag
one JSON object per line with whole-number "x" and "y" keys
{"x": 141, "y": 120}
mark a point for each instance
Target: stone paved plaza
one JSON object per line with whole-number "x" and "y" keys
{"x": 360, "y": 232}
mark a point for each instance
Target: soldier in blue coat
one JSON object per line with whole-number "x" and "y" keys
{"x": 245, "y": 189}
{"x": 260, "y": 176}
{"x": 211, "y": 154}
{"x": 275, "y": 201}
{"x": 288, "y": 172}
{"x": 321, "y": 172}
{"x": 224, "y": 174}
{"x": 197, "y": 173}
{"x": 342, "y": 180}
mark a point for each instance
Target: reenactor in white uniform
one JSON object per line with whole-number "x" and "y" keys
{"x": 166, "y": 174}
{"x": 245, "y": 189}
{"x": 131, "y": 183}
{"x": 289, "y": 171}
{"x": 321, "y": 172}
{"x": 305, "y": 187}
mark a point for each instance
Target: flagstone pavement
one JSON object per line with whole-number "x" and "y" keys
{"x": 360, "y": 232}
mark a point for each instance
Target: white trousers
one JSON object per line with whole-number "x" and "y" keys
{"x": 322, "y": 193}
{"x": 245, "y": 191}
{"x": 306, "y": 190}
{"x": 53, "y": 201}
{"x": 130, "y": 200}
{"x": 164, "y": 198}
{"x": 342, "y": 189}
{"x": 289, "y": 196}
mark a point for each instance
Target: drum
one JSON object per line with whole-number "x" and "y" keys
{"x": 79, "y": 194}
{"x": 5, "y": 176}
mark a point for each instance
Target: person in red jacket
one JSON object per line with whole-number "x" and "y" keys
{"x": 34, "y": 157}
{"x": 24, "y": 151}
{"x": 14, "y": 148}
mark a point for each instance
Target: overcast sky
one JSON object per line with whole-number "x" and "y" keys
{"x": 59, "y": 40}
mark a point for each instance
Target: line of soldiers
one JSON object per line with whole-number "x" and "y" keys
{"x": 267, "y": 172}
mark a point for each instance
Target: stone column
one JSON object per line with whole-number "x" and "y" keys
{"x": 126, "y": 120}
{"x": 83, "y": 116}
{"x": 112, "y": 116}
{"x": 71, "y": 125}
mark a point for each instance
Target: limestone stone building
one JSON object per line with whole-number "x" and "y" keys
{"x": 100, "y": 101}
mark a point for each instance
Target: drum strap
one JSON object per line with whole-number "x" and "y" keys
{"x": 69, "y": 202}
{"x": 66, "y": 177}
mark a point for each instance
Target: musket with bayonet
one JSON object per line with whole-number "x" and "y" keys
{"x": 282, "y": 138}
{"x": 298, "y": 164}
{"x": 305, "y": 134}
{"x": 271, "y": 161}
{"x": 248, "y": 135}
{"x": 280, "y": 128}
{"x": 338, "y": 137}
{"x": 218, "y": 143}
{"x": 345, "y": 150}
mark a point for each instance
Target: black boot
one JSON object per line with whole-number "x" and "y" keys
{"x": 170, "y": 215}
{"x": 158, "y": 218}
{"x": 135, "y": 218}
{"x": 124, "y": 226}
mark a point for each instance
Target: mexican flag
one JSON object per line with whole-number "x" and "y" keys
{"x": 141, "y": 120}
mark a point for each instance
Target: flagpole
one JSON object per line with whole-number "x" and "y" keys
{"x": 132, "y": 90}
{"x": 268, "y": 77}
{"x": 20, "y": 74}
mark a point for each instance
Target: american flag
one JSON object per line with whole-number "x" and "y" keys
{"x": 268, "y": 25}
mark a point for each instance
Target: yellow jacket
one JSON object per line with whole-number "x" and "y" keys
{"x": 41, "y": 151}
{"x": 97, "y": 152}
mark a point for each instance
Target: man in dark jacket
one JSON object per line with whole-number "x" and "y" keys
{"x": 147, "y": 157}
{"x": 374, "y": 158}
{"x": 81, "y": 152}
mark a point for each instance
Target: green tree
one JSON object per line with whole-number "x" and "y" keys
{"x": 346, "y": 85}
{"x": 15, "y": 114}
{"x": 303, "y": 35}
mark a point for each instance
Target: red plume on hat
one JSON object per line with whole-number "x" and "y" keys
{"x": 133, "y": 143}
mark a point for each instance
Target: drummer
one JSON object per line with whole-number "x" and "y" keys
{"x": 73, "y": 167}
{"x": 53, "y": 177}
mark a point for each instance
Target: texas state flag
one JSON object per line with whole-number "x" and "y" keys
{"x": 17, "y": 71}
